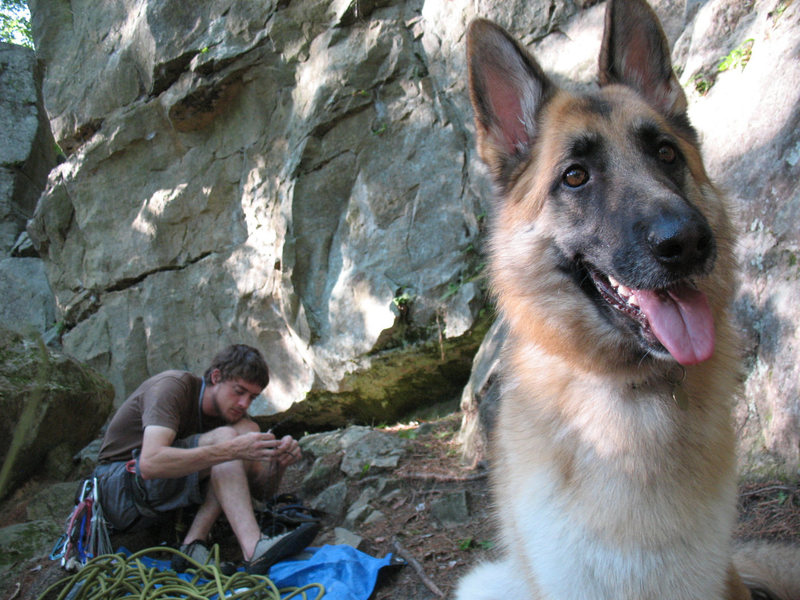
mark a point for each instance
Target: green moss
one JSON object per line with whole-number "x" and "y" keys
{"x": 27, "y": 424}
{"x": 398, "y": 382}
{"x": 24, "y": 541}
{"x": 48, "y": 400}
{"x": 765, "y": 467}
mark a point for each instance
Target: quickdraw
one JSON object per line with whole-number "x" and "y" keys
{"x": 86, "y": 533}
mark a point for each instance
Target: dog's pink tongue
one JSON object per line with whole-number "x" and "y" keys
{"x": 681, "y": 320}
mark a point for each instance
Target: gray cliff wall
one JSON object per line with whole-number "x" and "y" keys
{"x": 27, "y": 153}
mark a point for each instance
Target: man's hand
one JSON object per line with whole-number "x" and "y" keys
{"x": 255, "y": 446}
{"x": 288, "y": 451}
{"x": 258, "y": 446}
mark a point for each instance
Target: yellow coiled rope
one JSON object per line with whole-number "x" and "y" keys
{"x": 112, "y": 576}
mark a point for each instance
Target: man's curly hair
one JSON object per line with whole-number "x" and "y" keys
{"x": 239, "y": 361}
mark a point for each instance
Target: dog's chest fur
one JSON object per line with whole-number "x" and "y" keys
{"x": 585, "y": 465}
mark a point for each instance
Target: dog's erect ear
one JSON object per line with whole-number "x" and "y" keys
{"x": 507, "y": 89}
{"x": 635, "y": 52}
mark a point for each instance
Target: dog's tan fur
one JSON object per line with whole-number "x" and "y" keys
{"x": 614, "y": 474}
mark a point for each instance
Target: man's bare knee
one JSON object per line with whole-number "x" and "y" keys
{"x": 218, "y": 435}
{"x": 227, "y": 432}
{"x": 245, "y": 426}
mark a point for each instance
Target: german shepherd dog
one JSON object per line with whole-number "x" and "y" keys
{"x": 612, "y": 263}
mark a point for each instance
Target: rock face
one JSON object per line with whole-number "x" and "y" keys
{"x": 288, "y": 175}
{"x": 738, "y": 63}
{"x": 301, "y": 176}
{"x": 52, "y": 407}
{"x": 27, "y": 153}
{"x": 750, "y": 123}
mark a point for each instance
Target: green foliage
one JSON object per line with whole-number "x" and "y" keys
{"x": 402, "y": 300}
{"x": 15, "y": 23}
{"x": 738, "y": 57}
{"x": 473, "y": 271}
{"x": 703, "y": 80}
{"x": 471, "y": 543}
{"x": 702, "y": 83}
{"x": 779, "y": 10}
{"x": 408, "y": 434}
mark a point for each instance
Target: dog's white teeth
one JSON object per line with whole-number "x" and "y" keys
{"x": 624, "y": 292}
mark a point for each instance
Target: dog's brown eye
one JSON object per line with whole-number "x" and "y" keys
{"x": 575, "y": 176}
{"x": 667, "y": 153}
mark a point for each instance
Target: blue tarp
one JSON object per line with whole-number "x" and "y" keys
{"x": 346, "y": 573}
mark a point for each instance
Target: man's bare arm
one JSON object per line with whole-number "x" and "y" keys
{"x": 159, "y": 460}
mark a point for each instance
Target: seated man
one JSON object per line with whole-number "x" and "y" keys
{"x": 181, "y": 440}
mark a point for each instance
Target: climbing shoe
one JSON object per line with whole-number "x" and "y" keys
{"x": 270, "y": 550}
{"x": 196, "y": 550}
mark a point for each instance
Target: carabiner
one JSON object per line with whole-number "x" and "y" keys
{"x": 59, "y": 547}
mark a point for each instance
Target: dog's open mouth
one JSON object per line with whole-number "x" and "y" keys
{"x": 679, "y": 317}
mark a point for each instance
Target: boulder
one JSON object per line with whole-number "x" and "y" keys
{"x": 360, "y": 508}
{"x": 52, "y": 406}
{"x": 481, "y": 396}
{"x": 54, "y": 502}
{"x": 332, "y": 500}
{"x": 364, "y": 449}
{"x": 318, "y": 476}
{"x": 451, "y": 509}
{"x": 347, "y": 537}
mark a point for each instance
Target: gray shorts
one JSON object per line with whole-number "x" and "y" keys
{"x": 131, "y": 502}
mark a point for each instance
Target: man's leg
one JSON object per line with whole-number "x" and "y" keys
{"x": 229, "y": 492}
{"x": 229, "y": 484}
{"x": 264, "y": 478}
{"x": 206, "y": 516}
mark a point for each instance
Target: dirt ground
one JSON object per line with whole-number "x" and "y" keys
{"x": 437, "y": 556}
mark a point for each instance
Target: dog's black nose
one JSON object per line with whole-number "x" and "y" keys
{"x": 682, "y": 241}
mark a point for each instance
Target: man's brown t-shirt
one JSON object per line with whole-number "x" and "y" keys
{"x": 170, "y": 399}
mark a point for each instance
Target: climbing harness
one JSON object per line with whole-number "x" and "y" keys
{"x": 86, "y": 533}
{"x": 135, "y": 577}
